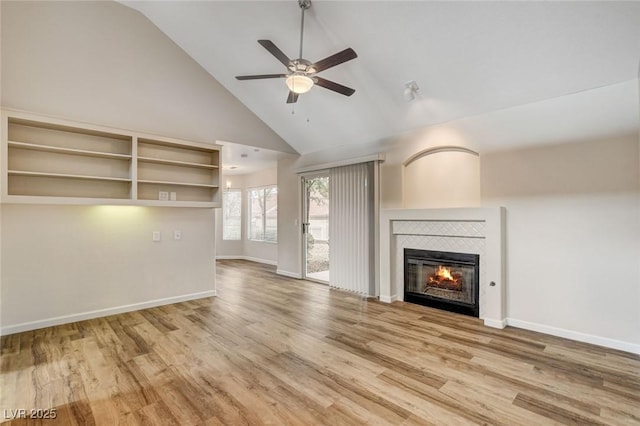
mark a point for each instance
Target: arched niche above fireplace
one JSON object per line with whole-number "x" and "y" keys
{"x": 442, "y": 177}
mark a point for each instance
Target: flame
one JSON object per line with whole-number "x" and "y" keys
{"x": 444, "y": 273}
{"x": 444, "y": 277}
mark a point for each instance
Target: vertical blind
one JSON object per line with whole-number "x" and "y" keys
{"x": 351, "y": 209}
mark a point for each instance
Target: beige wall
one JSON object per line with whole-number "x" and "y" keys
{"x": 65, "y": 263}
{"x": 398, "y": 184}
{"x": 573, "y": 235}
{"x": 445, "y": 179}
{"x": 606, "y": 166}
{"x": 289, "y": 215}
{"x": 103, "y": 63}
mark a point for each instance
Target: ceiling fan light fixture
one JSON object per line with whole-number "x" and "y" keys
{"x": 299, "y": 83}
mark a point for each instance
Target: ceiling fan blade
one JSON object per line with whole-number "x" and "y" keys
{"x": 292, "y": 98}
{"x": 333, "y": 60}
{"x": 273, "y": 49}
{"x": 343, "y": 90}
{"x": 259, "y": 77}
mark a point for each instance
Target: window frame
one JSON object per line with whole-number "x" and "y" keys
{"x": 263, "y": 190}
{"x": 225, "y": 217}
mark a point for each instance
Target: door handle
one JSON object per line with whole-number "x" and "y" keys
{"x": 305, "y": 227}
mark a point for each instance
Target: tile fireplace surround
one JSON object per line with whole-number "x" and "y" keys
{"x": 461, "y": 230}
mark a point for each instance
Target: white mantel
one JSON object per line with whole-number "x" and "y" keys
{"x": 466, "y": 230}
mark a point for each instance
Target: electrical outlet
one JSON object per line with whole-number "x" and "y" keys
{"x": 177, "y": 235}
{"x": 163, "y": 196}
{"x": 156, "y": 236}
{"x": 173, "y": 196}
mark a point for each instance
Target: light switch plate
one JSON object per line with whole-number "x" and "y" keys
{"x": 173, "y": 196}
{"x": 163, "y": 196}
{"x": 156, "y": 235}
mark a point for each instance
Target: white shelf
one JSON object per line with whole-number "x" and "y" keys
{"x": 157, "y": 203}
{"x": 57, "y": 200}
{"x": 160, "y": 182}
{"x": 176, "y": 163}
{"x": 66, "y": 176}
{"x": 51, "y": 161}
{"x": 72, "y": 151}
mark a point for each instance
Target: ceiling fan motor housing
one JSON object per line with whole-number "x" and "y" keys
{"x": 301, "y": 65}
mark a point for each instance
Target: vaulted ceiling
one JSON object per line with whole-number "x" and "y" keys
{"x": 470, "y": 59}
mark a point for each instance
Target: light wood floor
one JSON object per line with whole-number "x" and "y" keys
{"x": 272, "y": 350}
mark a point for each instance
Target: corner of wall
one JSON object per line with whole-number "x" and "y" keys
{"x": 289, "y": 217}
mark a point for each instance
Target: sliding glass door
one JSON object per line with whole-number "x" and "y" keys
{"x": 315, "y": 227}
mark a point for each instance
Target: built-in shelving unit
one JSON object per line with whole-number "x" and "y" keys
{"x": 190, "y": 172}
{"x": 53, "y": 161}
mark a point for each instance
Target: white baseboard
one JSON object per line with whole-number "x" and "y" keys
{"x": 289, "y": 274}
{"x": 495, "y": 323}
{"x": 249, "y": 258}
{"x": 575, "y": 335}
{"x": 388, "y": 299}
{"x": 65, "y": 319}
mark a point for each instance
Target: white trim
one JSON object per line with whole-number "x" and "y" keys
{"x": 576, "y": 335}
{"x": 437, "y": 149}
{"x": 65, "y": 319}
{"x": 347, "y": 162}
{"x": 495, "y": 323}
{"x": 289, "y": 274}
{"x": 249, "y": 258}
{"x": 265, "y": 261}
{"x": 318, "y": 281}
{"x": 388, "y": 299}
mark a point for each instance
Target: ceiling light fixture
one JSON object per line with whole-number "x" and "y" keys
{"x": 410, "y": 90}
{"x": 299, "y": 83}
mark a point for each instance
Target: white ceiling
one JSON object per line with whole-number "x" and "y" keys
{"x": 469, "y": 59}
{"x": 239, "y": 159}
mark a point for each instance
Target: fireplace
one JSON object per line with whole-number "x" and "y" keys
{"x": 442, "y": 280}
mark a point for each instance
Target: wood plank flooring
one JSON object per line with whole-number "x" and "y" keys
{"x": 273, "y": 350}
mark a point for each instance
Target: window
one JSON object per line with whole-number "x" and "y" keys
{"x": 263, "y": 214}
{"x": 232, "y": 214}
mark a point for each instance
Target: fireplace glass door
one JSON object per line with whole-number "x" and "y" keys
{"x": 442, "y": 280}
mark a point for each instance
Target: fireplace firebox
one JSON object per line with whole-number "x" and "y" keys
{"x": 443, "y": 280}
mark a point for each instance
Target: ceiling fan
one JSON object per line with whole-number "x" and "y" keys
{"x": 302, "y": 73}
